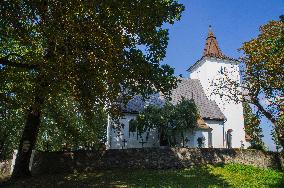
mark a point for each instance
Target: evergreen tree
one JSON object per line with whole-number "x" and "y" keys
{"x": 252, "y": 128}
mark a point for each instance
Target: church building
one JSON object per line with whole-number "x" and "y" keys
{"x": 221, "y": 122}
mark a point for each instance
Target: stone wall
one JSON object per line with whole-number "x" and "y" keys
{"x": 151, "y": 158}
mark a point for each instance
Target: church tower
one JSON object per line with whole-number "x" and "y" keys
{"x": 210, "y": 68}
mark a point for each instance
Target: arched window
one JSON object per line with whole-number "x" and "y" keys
{"x": 221, "y": 70}
{"x": 229, "y": 138}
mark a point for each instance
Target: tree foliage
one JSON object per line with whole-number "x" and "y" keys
{"x": 11, "y": 122}
{"x": 88, "y": 50}
{"x": 252, "y": 128}
{"x": 278, "y": 130}
{"x": 264, "y": 68}
{"x": 169, "y": 119}
{"x": 64, "y": 126}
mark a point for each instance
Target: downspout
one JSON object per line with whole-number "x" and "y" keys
{"x": 225, "y": 120}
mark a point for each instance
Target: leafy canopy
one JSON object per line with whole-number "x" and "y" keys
{"x": 92, "y": 49}
{"x": 264, "y": 73}
{"x": 79, "y": 56}
{"x": 168, "y": 119}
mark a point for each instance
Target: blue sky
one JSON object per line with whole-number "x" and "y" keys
{"x": 233, "y": 22}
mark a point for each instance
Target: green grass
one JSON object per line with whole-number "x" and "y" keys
{"x": 232, "y": 175}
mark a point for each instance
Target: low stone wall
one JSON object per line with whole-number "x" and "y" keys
{"x": 150, "y": 158}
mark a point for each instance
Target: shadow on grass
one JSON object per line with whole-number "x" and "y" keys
{"x": 198, "y": 177}
{"x": 194, "y": 177}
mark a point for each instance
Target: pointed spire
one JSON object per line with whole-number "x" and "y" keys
{"x": 211, "y": 46}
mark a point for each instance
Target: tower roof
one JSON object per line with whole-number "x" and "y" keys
{"x": 211, "y": 50}
{"x": 211, "y": 46}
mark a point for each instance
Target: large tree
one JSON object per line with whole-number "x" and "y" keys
{"x": 262, "y": 83}
{"x": 91, "y": 50}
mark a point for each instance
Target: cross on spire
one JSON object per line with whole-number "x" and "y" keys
{"x": 211, "y": 46}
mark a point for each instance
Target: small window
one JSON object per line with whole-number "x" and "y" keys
{"x": 210, "y": 145}
{"x": 229, "y": 138}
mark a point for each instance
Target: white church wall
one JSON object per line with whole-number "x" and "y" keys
{"x": 208, "y": 72}
{"x": 122, "y": 139}
{"x": 190, "y": 138}
{"x": 217, "y": 133}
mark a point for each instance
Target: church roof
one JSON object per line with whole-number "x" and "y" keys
{"x": 188, "y": 89}
{"x": 192, "y": 89}
{"x": 138, "y": 104}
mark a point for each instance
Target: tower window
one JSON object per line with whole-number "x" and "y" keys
{"x": 223, "y": 70}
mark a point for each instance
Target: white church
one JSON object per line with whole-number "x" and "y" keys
{"x": 221, "y": 124}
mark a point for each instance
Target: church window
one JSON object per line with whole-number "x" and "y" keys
{"x": 200, "y": 142}
{"x": 229, "y": 138}
{"x": 132, "y": 127}
{"x": 223, "y": 70}
{"x": 210, "y": 145}
{"x": 122, "y": 126}
{"x": 147, "y": 136}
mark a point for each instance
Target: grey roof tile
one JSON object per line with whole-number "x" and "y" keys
{"x": 191, "y": 88}
{"x": 188, "y": 89}
{"x": 137, "y": 103}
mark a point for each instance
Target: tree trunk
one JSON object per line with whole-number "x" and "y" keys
{"x": 28, "y": 141}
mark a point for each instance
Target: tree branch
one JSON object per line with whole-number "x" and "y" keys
{"x": 263, "y": 111}
{"x": 4, "y": 61}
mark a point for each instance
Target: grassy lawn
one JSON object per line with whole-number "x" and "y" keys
{"x": 233, "y": 175}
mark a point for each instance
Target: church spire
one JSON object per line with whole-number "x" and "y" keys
{"x": 211, "y": 46}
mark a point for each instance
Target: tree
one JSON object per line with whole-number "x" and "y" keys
{"x": 252, "y": 128}
{"x": 169, "y": 120}
{"x": 277, "y": 130}
{"x": 262, "y": 74}
{"x": 11, "y": 124}
{"x": 91, "y": 50}
{"x": 64, "y": 125}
